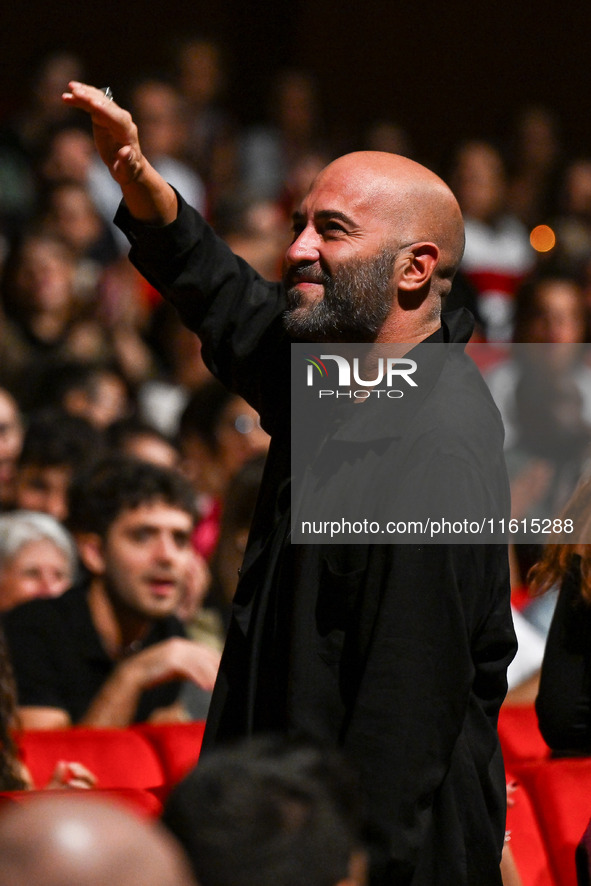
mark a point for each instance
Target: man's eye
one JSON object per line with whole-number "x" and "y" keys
{"x": 333, "y": 226}
{"x": 38, "y": 486}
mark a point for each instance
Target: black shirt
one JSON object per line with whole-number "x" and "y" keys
{"x": 60, "y": 662}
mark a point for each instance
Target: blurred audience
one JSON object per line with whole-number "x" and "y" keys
{"x": 564, "y": 701}
{"x": 201, "y": 76}
{"x": 93, "y": 390}
{"x": 498, "y": 254}
{"x": 257, "y": 230}
{"x": 44, "y": 108}
{"x": 543, "y": 390}
{"x": 269, "y": 153}
{"x": 237, "y": 513}
{"x": 40, "y": 306}
{"x": 67, "y": 154}
{"x": 536, "y": 155}
{"x": 572, "y": 224}
{"x": 56, "y": 446}
{"x": 218, "y": 433}
{"x": 138, "y": 439}
{"x": 158, "y": 109}
{"x": 11, "y": 441}
{"x": 68, "y": 212}
{"x": 177, "y": 350}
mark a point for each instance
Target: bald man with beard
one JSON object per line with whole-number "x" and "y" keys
{"x": 85, "y": 841}
{"x": 396, "y": 653}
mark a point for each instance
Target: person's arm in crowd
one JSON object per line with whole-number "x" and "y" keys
{"x": 43, "y": 717}
{"x": 116, "y": 702}
{"x": 509, "y": 871}
{"x": 147, "y": 196}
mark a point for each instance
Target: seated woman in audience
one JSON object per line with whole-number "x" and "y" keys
{"x": 564, "y": 700}
{"x": 41, "y": 308}
{"x": 37, "y": 558}
{"x": 218, "y": 433}
{"x": 14, "y": 775}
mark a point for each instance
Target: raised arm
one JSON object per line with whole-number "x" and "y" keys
{"x": 147, "y": 196}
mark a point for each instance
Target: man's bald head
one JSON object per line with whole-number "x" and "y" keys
{"x": 80, "y": 840}
{"x": 412, "y": 201}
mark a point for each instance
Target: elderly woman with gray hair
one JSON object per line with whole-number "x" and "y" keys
{"x": 37, "y": 558}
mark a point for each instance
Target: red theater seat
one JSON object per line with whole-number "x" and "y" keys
{"x": 560, "y": 794}
{"x": 520, "y": 736}
{"x": 526, "y": 841}
{"x": 178, "y": 746}
{"x": 120, "y": 758}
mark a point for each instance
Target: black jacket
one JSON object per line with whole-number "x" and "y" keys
{"x": 396, "y": 653}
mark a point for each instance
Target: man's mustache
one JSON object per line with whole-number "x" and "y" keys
{"x": 305, "y": 273}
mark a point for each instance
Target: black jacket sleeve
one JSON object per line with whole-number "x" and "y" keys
{"x": 219, "y": 296}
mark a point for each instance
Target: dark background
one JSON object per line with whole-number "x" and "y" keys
{"x": 443, "y": 70}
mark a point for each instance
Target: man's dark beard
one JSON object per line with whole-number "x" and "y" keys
{"x": 357, "y": 300}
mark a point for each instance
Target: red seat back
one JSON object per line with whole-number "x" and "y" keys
{"x": 120, "y": 758}
{"x": 560, "y": 793}
{"x": 178, "y": 746}
{"x": 526, "y": 841}
{"x": 520, "y": 736}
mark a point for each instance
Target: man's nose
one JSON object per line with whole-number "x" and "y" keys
{"x": 165, "y": 548}
{"x": 305, "y": 247}
{"x": 49, "y": 585}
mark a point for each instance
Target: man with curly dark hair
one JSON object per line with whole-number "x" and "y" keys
{"x": 112, "y": 651}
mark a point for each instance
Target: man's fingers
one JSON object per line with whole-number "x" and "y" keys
{"x": 115, "y": 133}
{"x": 88, "y": 98}
{"x": 104, "y": 111}
{"x": 84, "y": 95}
{"x": 205, "y": 666}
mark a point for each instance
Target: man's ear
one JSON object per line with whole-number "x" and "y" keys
{"x": 90, "y": 548}
{"x": 417, "y": 266}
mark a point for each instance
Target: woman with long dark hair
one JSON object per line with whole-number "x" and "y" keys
{"x": 14, "y": 775}
{"x": 564, "y": 700}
